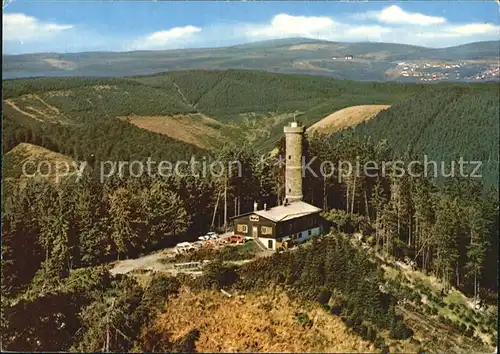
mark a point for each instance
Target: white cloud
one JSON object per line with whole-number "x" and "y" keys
{"x": 318, "y": 27}
{"x": 284, "y": 25}
{"x": 486, "y": 30}
{"x": 395, "y": 15}
{"x": 366, "y": 31}
{"x": 411, "y": 28}
{"x": 476, "y": 28}
{"x": 165, "y": 39}
{"x": 20, "y": 27}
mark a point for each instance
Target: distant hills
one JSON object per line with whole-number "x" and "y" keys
{"x": 371, "y": 61}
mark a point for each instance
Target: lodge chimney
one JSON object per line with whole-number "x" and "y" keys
{"x": 255, "y": 206}
{"x": 265, "y": 206}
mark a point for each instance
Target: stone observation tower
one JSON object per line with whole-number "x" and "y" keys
{"x": 293, "y": 155}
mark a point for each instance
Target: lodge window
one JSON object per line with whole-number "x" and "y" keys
{"x": 309, "y": 232}
{"x": 266, "y": 230}
{"x": 254, "y": 218}
{"x": 242, "y": 228}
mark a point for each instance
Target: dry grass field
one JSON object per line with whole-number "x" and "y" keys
{"x": 52, "y": 165}
{"x": 260, "y": 322}
{"x": 346, "y": 118}
{"x": 195, "y": 129}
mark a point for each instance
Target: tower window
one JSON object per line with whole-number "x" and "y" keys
{"x": 289, "y": 157}
{"x": 289, "y": 189}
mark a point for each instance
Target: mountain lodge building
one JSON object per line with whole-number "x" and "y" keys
{"x": 295, "y": 221}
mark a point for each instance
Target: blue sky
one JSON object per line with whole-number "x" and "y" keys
{"x": 71, "y": 26}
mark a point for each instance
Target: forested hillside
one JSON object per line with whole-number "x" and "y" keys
{"x": 444, "y": 125}
{"x": 53, "y": 234}
{"x": 56, "y": 236}
{"x": 78, "y": 116}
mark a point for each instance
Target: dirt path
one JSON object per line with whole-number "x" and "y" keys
{"x": 153, "y": 261}
{"x": 52, "y": 108}
{"x": 14, "y": 106}
{"x": 182, "y": 95}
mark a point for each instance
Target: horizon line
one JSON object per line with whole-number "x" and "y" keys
{"x": 247, "y": 43}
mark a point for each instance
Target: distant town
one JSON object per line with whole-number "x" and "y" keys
{"x": 446, "y": 71}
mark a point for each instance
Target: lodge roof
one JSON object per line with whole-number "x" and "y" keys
{"x": 290, "y": 211}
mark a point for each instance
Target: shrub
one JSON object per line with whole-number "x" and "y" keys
{"x": 217, "y": 275}
{"x": 463, "y": 327}
{"x": 303, "y": 319}
{"x": 399, "y": 330}
{"x": 324, "y": 296}
{"x": 159, "y": 289}
{"x": 421, "y": 350}
{"x": 349, "y": 322}
{"x": 379, "y": 343}
{"x": 336, "y": 309}
{"x": 469, "y": 332}
{"x": 414, "y": 341}
{"x": 384, "y": 350}
{"x": 371, "y": 333}
{"x": 416, "y": 297}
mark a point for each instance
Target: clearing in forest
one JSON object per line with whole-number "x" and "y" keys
{"x": 346, "y": 118}
{"x": 39, "y": 163}
{"x": 34, "y": 107}
{"x": 195, "y": 129}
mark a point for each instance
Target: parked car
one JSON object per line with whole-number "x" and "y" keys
{"x": 212, "y": 236}
{"x": 237, "y": 239}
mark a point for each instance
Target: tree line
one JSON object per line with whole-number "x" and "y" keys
{"x": 449, "y": 229}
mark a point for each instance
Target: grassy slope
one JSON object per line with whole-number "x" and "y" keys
{"x": 260, "y": 322}
{"x": 346, "y": 118}
{"x": 52, "y": 166}
{"x": 194, "y": 129}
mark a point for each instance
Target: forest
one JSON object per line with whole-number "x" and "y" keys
{"x": 444, "y": 125}
{"x": 58, "y": 239}
{"x": 56, "y": 235}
